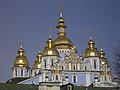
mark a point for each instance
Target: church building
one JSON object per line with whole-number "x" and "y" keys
{"x": 60, "y": 66}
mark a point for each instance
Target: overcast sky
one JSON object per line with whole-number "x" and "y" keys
{"x": 29, "y": 20}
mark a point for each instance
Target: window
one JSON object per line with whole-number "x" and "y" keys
{"x": 52, "y": 62}
{"x": 94, "y": 64}
{"x": 74, "y": 79}
{"x": 21, "y": 72}
{"x": 69, "y": 87}
{"x": 109, "y": 78}
{"x": 45, "y": 63}
{"x": 56, "y": 77}
{"x": 16, "y": 72}
{"x": 74, "y": 67}
{"x": 27, "y": 73}
{"x": 35, "y": 73}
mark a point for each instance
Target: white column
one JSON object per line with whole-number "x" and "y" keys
{"x": 69, "y": 66}
{"x": 78, "y": 66}
{"x": 87, "y": 78}
{"x": 13, "y": 72}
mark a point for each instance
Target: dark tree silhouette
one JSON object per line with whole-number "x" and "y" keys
{"x": 117, "y": 61}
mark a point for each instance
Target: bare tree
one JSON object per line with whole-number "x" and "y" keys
{"x": 117, "y": 61}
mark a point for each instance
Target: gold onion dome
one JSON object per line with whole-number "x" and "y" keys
{"x": 37, "y": 64}
{"x": 21, "y": 59}
{"x": 91, "y": 51}
{"x": 104, "y": 60}
{"x": 102, "y": 54}
{"x": 62, "y": 42}
{"x": 50, "y": 50}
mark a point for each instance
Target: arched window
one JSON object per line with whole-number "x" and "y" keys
{"x": 94, "y": 64}
{"x": 21, "y": 72}
{"x": 74, "y": 79}
{"x": 109, "y": 78}
{"x": 35, "y": 73}
{"x": 74, "y": 67}
{"x": 69, "y": 87}
{"x": 52, "y": 62}
{"x": 45, "y": 64}
{"x": 16, "y": 72}
{"x": 56, "y": 77}
{"x": 27, "y": 73}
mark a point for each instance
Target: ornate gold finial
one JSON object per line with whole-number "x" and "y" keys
{"x": 61, "y": 6}
{"x": 49, "y": 29}
{"x": 21, "y": 44}
{"x": 73, "y": 49}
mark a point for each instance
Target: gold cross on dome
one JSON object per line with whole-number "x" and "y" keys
{"x": 39, "y": 47}
{"x": 61, "y": 7}
{"x": 49, "y": 29}
{"x": 21, "y": 44}
{"x": 101, "y": 46}
{"x": 91, "y": 31}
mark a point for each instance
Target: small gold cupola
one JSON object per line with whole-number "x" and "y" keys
{"x": 50, "y": 50}
{"x": 102, "y": 56}
{"x": 91, "y": 51}
{"x": 21, "y": 59}
{"x": 91, "y": 43}
{"x": 102, "y": 53}
{"x": 37, "y": 64}
{"x": 104, "y": 60}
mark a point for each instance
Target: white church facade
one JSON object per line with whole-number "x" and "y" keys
{"x": 60, "y": 64}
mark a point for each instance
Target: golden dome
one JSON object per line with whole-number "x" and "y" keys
{"x": 21, "y": 60}
{"x": 104, "y": 60}
{"x": 63, "y": 42}
{"x": 50, "y": 50}
{"x": 37, "y": 64}
{"x": 91, "y": 51}
{"x": 61, "y": 20}
{"x": 102, "y": 54}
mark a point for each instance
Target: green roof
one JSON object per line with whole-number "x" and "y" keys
{"x": 18, "y": 87}
{"x": 89, "y": 88}
{"x": 93, "y": 88}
